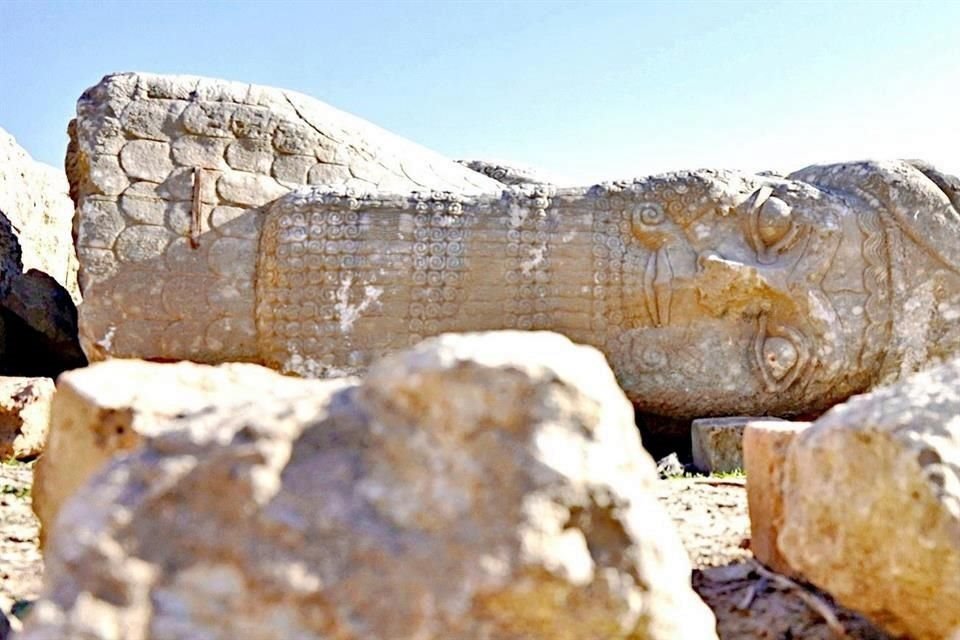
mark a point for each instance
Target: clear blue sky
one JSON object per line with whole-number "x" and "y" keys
{"x": 584, "y": 90}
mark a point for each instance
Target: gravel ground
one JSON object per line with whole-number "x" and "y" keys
{"x": 711, "y": 516}
{"x": 21, "y": 568}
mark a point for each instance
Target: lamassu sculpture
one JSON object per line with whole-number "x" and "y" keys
{"x": 229, "y": 222}
{"x": 710, "y": 292}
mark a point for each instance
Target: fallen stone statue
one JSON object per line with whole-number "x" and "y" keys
{"x": 710, "y": 292}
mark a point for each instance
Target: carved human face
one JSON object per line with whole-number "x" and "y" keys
{"x": 759, "y": 297}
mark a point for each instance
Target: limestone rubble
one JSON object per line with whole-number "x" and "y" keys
{"x": 477, "y": 486}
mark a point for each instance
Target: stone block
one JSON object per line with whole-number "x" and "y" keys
{"x": 765, "y": 445}
{"x": 24, "y": 416}
{"x": 717, "y": 443}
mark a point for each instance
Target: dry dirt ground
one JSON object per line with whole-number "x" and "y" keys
{"x": 711, "y": 515}
{"x": 749, "y": 603}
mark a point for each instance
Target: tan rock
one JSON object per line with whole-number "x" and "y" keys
{"x": 871, "y": 504}
{"x": 765, "y": 445}
{"x": 24, "y": 416}
{"x": 108, "y": 408}
{"x": 484, "y": 486}
{"x": 717, "y": 443}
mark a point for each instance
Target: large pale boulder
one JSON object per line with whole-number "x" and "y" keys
{"x": 871, "y": 504}
{"x": 480, "y": 486}
{"x": 108, "y": 408}
{"x": 170, "y": 174}
{"x": 38, "y": 268}
{"x": 34, "y": 198}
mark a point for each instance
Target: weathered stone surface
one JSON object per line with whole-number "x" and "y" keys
{"x": 168, "y": 151}
{"x": 24, "y": 416}
{"x": 473, "y": 487}
{"x": 765, "y": 445}
{"x": 717, "y": 443}
{"x": 249, "y": 189}
{"x": 871, "y": 504}
{"x": 33, "y": 197}
{"x": 110, "y": 407}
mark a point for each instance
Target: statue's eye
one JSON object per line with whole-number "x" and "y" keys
{"x": 774, "y": 221}
{"x": 779, "y": 356}
{"x": 782, "y": 355}
{"x": 771, "y": 225}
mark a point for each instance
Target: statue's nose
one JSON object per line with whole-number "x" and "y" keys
{"x": 725, "y": 285}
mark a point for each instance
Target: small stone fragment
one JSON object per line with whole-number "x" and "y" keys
{"x": 718, "y": 443}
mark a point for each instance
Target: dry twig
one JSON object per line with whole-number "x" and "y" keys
{"x": 816, "y": 603}
{"x": 722, "y": 482}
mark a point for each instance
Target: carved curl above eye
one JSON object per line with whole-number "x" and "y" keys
{"x": 770, "y": 223}
{"x": 781, "y": 354}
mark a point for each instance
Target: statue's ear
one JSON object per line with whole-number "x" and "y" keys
{"x": 950, "y": 185}
{"x": 923, "y": 202}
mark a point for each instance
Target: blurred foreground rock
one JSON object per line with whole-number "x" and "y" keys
{"x": 479, "y": 486}
{"x": 109, "y": 407}
{"x": 871, "y": 504}
{"x": 24, "y": 416}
